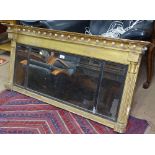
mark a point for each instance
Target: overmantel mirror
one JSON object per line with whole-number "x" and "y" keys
{"x": 91, "y": 76}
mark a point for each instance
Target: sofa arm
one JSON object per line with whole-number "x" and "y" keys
{"x": 137, "y": 34}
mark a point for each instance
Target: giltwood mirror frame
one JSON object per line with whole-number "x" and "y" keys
{"x": 121, "y": 51}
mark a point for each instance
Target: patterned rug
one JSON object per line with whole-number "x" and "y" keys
{"x": 25, "y": 115}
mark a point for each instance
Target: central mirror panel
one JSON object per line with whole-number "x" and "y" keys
{"x": 90, "y": 84}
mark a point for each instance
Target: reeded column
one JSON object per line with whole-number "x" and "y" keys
{"x": 133, "y": 68}
{"x": 9, "y": 85}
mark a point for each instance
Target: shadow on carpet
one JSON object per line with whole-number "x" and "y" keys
{"x": 25, "y": 115}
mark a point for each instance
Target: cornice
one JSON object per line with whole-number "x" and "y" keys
{"x": 113, "y": 43}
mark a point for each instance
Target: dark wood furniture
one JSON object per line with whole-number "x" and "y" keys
{"x": 150, "y": 61}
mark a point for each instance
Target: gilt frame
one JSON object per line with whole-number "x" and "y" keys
{"x": 128, "y": 52}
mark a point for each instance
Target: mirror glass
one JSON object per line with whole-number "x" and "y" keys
{"x": 90, "y": 84}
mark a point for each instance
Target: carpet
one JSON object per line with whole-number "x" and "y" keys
{"x": 25, "y": 115}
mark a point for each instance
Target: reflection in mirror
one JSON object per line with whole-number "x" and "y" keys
{"x": 90, "y": 84}
{"x": 64, "y": 77}
{"x": 111, "y": 89}
{"x": 20, "y": 64}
